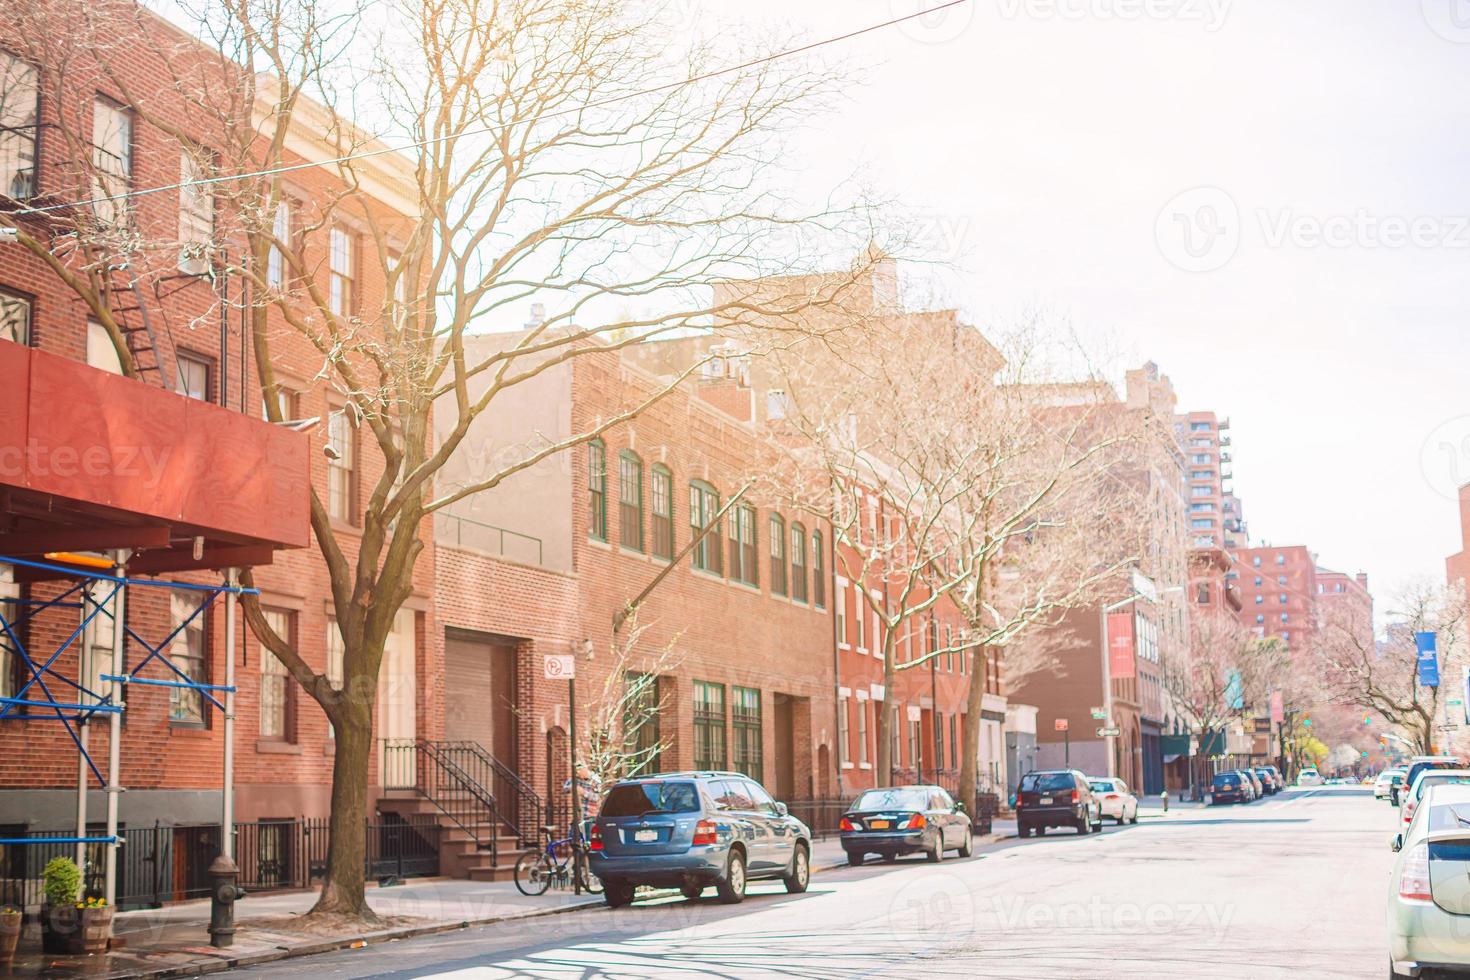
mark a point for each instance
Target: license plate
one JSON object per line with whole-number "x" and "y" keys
{"x": 645, "y": 836}
{"x": 878, "y": 824}
{"x": 1045, "y": 800}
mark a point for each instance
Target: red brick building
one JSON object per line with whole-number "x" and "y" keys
{"x": 1457, "y": 566}
{"x": 192, "y": 343}
{"x": 1278, "y": 592}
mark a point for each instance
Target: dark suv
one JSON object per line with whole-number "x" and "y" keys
{"x": 1056, "y": 798}
{"x": 694, "y": 829}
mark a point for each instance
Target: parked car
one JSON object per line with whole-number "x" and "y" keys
{"x": 1252, "y": 791}
{"x": 1387, "y": 784}
{"x": 905, "y": 820}
{"x": 1422, "y": 762}
{"x": 1116, "y": 799}
{"x": 1431, "y": 894}
{"x": 1309, "y": 777}
{"x": 694, "y": 829}
{"x": 1422, "y": 782}
{"x": 1056, "y": 798}
{"x": 1229, "y": 787}
{"x": 1260, "y": 787}
{"x": 1268, "y": 780}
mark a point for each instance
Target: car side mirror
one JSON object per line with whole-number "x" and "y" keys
{"x": 959, "y": 807}
{"x": 782, "y": 810}
{"x": 1396, "y": 843}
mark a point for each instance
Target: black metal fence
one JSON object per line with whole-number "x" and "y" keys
{"x": 162, "y": 864}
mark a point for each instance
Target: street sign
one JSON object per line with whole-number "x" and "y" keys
{"x": 915, "y": 712}
{"x": 560, "y": 667}
{"x": 1099, "y": 714}
{"x": 1060, "y": 724}
{"x": 1109, "y": 732}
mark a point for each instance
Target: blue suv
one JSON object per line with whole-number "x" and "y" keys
{"x": 691, "y": 830}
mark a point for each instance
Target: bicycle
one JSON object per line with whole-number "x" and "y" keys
{"x": 538, "y": 870}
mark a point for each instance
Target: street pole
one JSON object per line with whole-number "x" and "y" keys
{"x": 1067, "y": 745}
{"x": 933, "y": 710}
{"x": 576, "y": 807}
{"x": 114, "y": 727}
{"x": 1107, "y": 679}
{"x": 227, "y": 797}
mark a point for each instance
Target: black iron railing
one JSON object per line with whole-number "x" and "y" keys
{"x": 162, "y": 864}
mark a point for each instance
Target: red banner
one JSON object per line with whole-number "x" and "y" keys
{"x": 1278, "y": 710}
{"x": 1121, "y": 661}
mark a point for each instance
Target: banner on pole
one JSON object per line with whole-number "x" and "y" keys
{"x": 1424, "y": 643}
{"x": 1121, "y": 662}
{"x": 1278, "y": 709}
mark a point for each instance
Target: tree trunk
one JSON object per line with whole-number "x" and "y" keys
{"x": 970, "y": 757}
{"x": 886, "y": 720}
{"x": 344, "y": 890}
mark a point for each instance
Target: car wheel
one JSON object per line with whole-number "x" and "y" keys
{"x": 1040, "y": 831}
{"x": 618, "y": 893}
{"x": 801, "y": 871}
{"x": 854, "y": 859}
{"x": 889, "y": 857}
{"x": 1134, "y": 818}
{"x": 936, "y": 853}
{"x": 1023, "y": 832}
{"x": 731, "y": 888}
{"x": 968, "y": 847}
{"x": 691, "y": 891}
{"x": 1084, "y": 824}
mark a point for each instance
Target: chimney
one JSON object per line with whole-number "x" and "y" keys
{"x": 538, "y": 316}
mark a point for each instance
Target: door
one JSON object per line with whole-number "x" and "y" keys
{"x": 398, "y": 703}
{"x": 785, "y": 734}
{"x": 480, "y": 693}
{"x": 737, "y": 808}
{"x": 779, "y": 833}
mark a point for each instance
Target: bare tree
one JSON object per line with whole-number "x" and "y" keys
{"x": 555, "y": 151}
{"x": 625, "y": 702}
{"x": 1383, "y": 678}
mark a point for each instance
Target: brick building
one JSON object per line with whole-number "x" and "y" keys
{"x": 1278, "y": 591}
{"x": 1457, "y": 566}
{"x": 1215, "y": 517}
{"x": 191, "y": 342}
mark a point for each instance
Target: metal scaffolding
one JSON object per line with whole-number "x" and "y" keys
{"x": 82, "y": 699}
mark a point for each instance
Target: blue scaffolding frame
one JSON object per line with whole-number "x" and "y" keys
{"x": 80, "y": 703}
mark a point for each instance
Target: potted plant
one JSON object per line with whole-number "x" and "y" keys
{"x": 10, "y": 920}
{"x": 94, "y": 922}
{"x": 61, "y": 884}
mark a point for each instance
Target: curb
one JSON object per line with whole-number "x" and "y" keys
{"x": 837, "y": 864}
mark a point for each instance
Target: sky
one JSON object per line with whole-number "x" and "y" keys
{"x": 1265, "y": 198}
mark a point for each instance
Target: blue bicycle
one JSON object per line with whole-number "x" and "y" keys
{"x": 553, "y": 863}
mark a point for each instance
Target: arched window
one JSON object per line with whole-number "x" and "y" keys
{"x": 742, "y": 545}
{"x": 819, "y": 577}
{"x": 778, "y": 554}
{"x": 663, "y": 511}
{"x": 704, "y": 504}
{"x": 630, "y": 500}
{"x": 597, "y": 489}
{"x": 798, "y": 562}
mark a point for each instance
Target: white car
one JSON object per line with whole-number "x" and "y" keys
{"x": 1309, "y": 777}
{"x": 1430, "y": 894}
{"x": 1117, "y": 799}
{"x": 1410, "y": 797}
{"x": 1383, "y": 785}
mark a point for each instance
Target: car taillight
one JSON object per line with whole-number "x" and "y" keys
{"x": 1408, "y": 811}
{"x": 1111, "y": 796}
{"x": 1414, "y": 875}
{"x": 845, "y": 825}
{"x": 594, "y": 840}
{"x": 704, "y": 832}
{"x": 916, "y": 822}
{"x": 1074, "y": 796}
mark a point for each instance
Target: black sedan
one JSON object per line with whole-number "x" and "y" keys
{"x": 905, "y": 820}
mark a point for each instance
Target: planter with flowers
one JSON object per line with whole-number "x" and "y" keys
{"x": 10, "y": 921}
{"x": 70, "y": 923}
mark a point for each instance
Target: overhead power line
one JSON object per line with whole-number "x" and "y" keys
{"x": 484, "y": 130}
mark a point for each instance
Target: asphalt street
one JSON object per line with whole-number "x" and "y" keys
{"x": 1289, "y": 886}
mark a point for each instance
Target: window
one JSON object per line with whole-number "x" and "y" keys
{"x": 1203, "y": 596}
{"x": 343, "y": 292}
{"x": 1199, "y": 427}
{"x": 597, "y": 490}
{"x": 745, "y": 718}
{"x": 1201, "y": 522}
{"x": 948, "y": 648}
{"x": 101, "y": 353}
{"x": 196, "y": 217}
{"x": 336, "y": 655}
{"x": 1201, "y": 458}
{"x": 842, "y": 616}
{"x": 1201, "y": 474}
{"x": 742, "y": 545}
{"x": 1280, "y": 559}
{"x": 1258, "y": 581}
{"x": 1204, "y": 508}
{"x": 640, "y": 724}
{"x": 277, "y": 712}
{"x": 663, "y": 512}
{"x": 1201, "y": 491}
{"x": 1256, "y": 560}
{"x": 1284, "y": 617}
{"x": 1281, "y": 599}
{"x": 192, "y": 380}
{"x": 778, "y": 406}
{"x": 860, "y": 617}
{"x": 19, "y": 102}
{"x": 186, "y": 651}
{"x": 819, "y": 578}
{"x": 964, "y": 661}
{"x": 112, "y": 160}
{"x": 863, "y": 733}
{"x": 15, "y": 317}
{"x": 954, "y": 742}
{"x": 709, "y": 725}
{"x": 275, "y": 263}
{"x": 1260, "y": 599}
{"x": 341, "y": 467}
{"x": 798, "y": 563}
{"x": 9, "y": 656}
{"x": 704, "y": 504}
{"x": 97, "y": 640}
{"x": 630, "y": 500}
{"x": 1281, "y": 580}
{"x": 916, "y": 758}
{"x": 777, "y": 538}
{"x": 285, "y": 400}
{"x": 844, "y": 753}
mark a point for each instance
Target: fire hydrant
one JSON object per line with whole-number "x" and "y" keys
{"x": 224, "y": 892}
{"x": 1165, "y": 796}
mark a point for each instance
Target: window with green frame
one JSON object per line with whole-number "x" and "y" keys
{"x": 663, "y": 511}
{"x": 742, "y": 545}
{"x": 597, "y": 489}
{"x": 778, "y": 554}
{"x": 798, "y": 562}
{"x": 704, "y": 504}
{"x": 819, "y": 577}
{"x": 630, "y": 500}
{"x": 642, "y": 746}
{"x": 709, "y": 725}
{"x": 745, "y": 718}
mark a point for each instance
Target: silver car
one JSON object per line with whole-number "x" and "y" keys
{"x": 1429, "y": 898}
